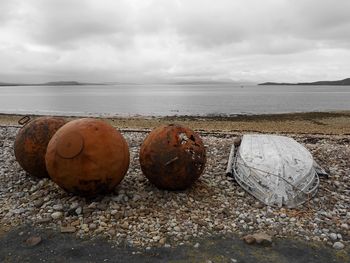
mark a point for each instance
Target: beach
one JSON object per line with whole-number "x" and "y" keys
{"x": 143, "y": 219}
{"x": 299, "y": 123}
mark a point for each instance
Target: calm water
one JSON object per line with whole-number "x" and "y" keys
{"x": 160, "y": 100}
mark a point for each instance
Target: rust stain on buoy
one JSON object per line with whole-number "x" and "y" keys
{"x": 87, "y": 157}
{"x": 31, "y": 143}
{"x": 172, "y": 157}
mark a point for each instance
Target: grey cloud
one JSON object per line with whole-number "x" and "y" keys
{"x": 184, "y": 38}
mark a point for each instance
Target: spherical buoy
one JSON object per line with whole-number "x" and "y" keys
{"x": 87, "y": 157}
{"x": 31, "y": 143}
{"x": 172, "y": 157}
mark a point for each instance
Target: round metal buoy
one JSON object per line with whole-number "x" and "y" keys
{"x": 87, "y": 157}
{"x": 31, "y": 143}
{"x": 172, "y": 157}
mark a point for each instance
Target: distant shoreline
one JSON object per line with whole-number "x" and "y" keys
{"x": 343, "y": 82}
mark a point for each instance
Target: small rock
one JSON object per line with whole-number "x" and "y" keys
{"x": 33, "y": 241}
{"x": 78, "y": 210}
{"x": 125, "y": 225}
{"x": 249, "y": 239}
{"x": 167, "y": 245}
{"x": 56, "y": 215}
{"x": 196, "y": 245}
{"x": 44, "y": 220}
{"x": 156, "y": 238}
{"x": 345, "y": 226}
{"x": 67, "y": 229}
{"x": 162, "y": 241}
{"x": 38, "y": 203}
{"x": 58, "y": 207}
{"x": 338, "y": 245}
{"x": 92, "y": 226}
{"x": 333, "y": 236}
{"x": 111, "y": 232}
{"x": 258, "y": 238}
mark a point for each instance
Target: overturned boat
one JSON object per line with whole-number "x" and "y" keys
{"x": 277, "y": 170}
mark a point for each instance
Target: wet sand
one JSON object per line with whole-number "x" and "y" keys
{"x": 300, "y": 123}
{"x": 57, "y": 247}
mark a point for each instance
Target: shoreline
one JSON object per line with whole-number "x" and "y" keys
{"x": 328, "y": 123}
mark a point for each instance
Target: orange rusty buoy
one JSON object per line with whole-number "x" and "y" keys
{"x": 87, "y": 157}
{"x": 172, "y": 157}
{"x": 31, "y": 143}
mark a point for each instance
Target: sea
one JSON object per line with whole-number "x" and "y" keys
{"x": 171, "y": 100}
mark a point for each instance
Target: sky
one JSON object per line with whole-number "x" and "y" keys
{"x": 173, "y": 41}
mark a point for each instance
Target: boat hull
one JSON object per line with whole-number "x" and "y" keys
{"x": 277, "y": 170}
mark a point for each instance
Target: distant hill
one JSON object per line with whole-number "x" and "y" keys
{"x": 62, "y": 83}
{"x": 52, "y": 83}
{"x": 344, "y": 82}
{"x": 8, "y": 84}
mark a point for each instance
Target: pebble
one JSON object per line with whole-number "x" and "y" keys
{"x": 56, "y": 215}
{"x": 33, "y": 241}
{"x": 58, "y": 207}
{"x": 345, "y": 226}
{"x": 78, "y": 210}
{"x": 139, "y": 214}
{"x": 92, "y": 226}
{"x": 196, "y": 245}
{"x": 125, "y": 225}
{"x": 338, "y": 245}
{"x": 38, "y": 203}
{"x": 333, "y": 236}
{"x": 68, "y": 229}
{"x": 177, "y": 229}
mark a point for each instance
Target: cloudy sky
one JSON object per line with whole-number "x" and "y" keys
{"x": 174, "y": 40}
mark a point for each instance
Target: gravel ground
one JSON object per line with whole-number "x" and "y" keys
{"x": 138, "y": 214}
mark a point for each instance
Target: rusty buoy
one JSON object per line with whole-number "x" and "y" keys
{"x": 172, "y": 157}
{"x": 31, "y": 143}
{"x": 87, "y": 157}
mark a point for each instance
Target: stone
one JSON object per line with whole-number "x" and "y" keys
{"x": 44, "y": 220}
{"x": 177, "y": 229}
{"x": 58, "y": 207}
{"x": 78, "y": 210}
{"x": 162, "y": 241}
{"x": 125, "y": 225}
{"x": 92, "y": 226}
{"x": 258, "y": 238}
{"x": 156, "y": 238}
{"x": 67, "y": 229}
{"x": 196, "y": 245}
{"x": 56, "y": 215}
{"x": 333, "y": 236}
{"x": 33, "y": 241}
{"x": 249, "y": 239}
{"x": 38, "y": 203}
{"x": 338, "y": 245}
{"x": 344, "y": 226}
